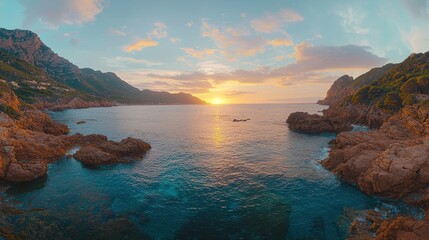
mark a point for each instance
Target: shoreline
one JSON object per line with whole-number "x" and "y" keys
{"x": 387, "y": 162}
{"x": 30, "y": 139}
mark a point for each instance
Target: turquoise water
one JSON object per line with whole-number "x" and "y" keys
{"x": 206, "y": 177}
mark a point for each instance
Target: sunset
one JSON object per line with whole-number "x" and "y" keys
{"x": 228, "y": 119}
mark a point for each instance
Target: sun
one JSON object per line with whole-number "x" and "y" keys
{"x": 217, "y": 101}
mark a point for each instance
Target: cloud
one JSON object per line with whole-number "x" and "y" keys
{"x": 280, "y": 42}
{"x": 352, "y": 20}
{"x": 123, "y": 62}
{"x": 174, "y": 81}
{"x": 311, "y": 58}
{"x": 200, "y": 54}
{"x": 175, "y": 40}
{"x": 274, "y": 22}
{"x": 210, "y": 67}
{"x": 140, "y": 44}
{"x": 313, "y": 64}
{"x": 236, "y": 93}
{"x": 56, "y": 13}
{"x": 233, "y": 42}
{"x": 159, "y": 31}
{"x": 416, "y": 39}
{"x": 189, "y": 24}
{"x": 117, "y": 32}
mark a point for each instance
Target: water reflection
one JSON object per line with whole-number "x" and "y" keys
{"x": 205, "y": 177}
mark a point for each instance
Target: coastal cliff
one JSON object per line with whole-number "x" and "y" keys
{"x": 30, "y": 140}
{"x": 392, "y": 159}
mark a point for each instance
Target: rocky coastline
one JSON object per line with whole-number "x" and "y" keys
{"x": 75, "y": 103}
{"x": 392, "y": 159}
{"x": 30, "y": 140}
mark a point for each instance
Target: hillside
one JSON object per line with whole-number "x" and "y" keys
{"x": 346, "y": 85}
{"x": 24, "y": 58}
{"x": 390, "y": 160}
{"x": 376, "y": 95}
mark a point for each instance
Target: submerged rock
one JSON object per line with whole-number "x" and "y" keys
{"x": 314, "y": 123}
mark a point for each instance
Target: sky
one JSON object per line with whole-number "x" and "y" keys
{"x": 227, "y": 51}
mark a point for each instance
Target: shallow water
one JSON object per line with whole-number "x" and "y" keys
{"x": 206, "y": 177}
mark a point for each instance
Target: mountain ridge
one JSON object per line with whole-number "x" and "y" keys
{"x": 25, "y": 45}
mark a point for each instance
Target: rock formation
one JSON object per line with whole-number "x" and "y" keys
{"x": 391, "y": 160}
{"x": 30, "y": 140}
{"x": 313, "y": 123}
{"x": 108, "y": 152}
{"x": 337, "y": 91}
{"x": 75, "y": 103}
{"x": 345, "y": 86}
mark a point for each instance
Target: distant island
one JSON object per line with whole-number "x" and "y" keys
{"x": 38, "y": 75}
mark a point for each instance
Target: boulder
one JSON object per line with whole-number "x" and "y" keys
{"x": 93, "y": 156}
{"x": 109, "y": 152}
{"x": 314, "y": 123}
{"x": 403, "y": 228}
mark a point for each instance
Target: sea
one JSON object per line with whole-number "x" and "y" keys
{"x": 206, "y": 177}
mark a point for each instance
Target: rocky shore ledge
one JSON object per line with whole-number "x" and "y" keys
{"x": 75, "y": 103}
{"x": 30, "y": 140}
{"x": 391, "y": 162}
{"x": 392, "y": 159}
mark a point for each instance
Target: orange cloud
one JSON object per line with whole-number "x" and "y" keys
{"x": 140, "y": 44}
{"x": 280, "y": 42}
{"x": 232, "y": 42}
{"x": 274, "y": 22}
{"x": 200, "y": 54}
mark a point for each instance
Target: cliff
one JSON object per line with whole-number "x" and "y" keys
{"x": 42, "y": 75}
{"x": 338, "y": 91}
{"x": 346, "y": 86}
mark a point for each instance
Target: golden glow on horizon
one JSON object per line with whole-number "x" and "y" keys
{"x": 217, "y": 101}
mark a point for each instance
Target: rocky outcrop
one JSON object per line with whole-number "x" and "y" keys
{"x": 32, "y": 140}
{"x": 38, "y": 121}
{"x": 337, "y": 91}
{"x": 363, "y": 114}
{"x": 109, "y": 152}
{"x": 314, "y": 123}
{"x": 345, "y": 86}
{"x": 25, "y": 154}
{"x": 392, "y": 161}
{"x": 75, "y": 103}
{"x": 382, "y": 225}
{"x": 403, "y": 228}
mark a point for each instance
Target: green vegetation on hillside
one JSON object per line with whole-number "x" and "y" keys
{"x": 41, "y": 75}
{"x": 405, "y": 84}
